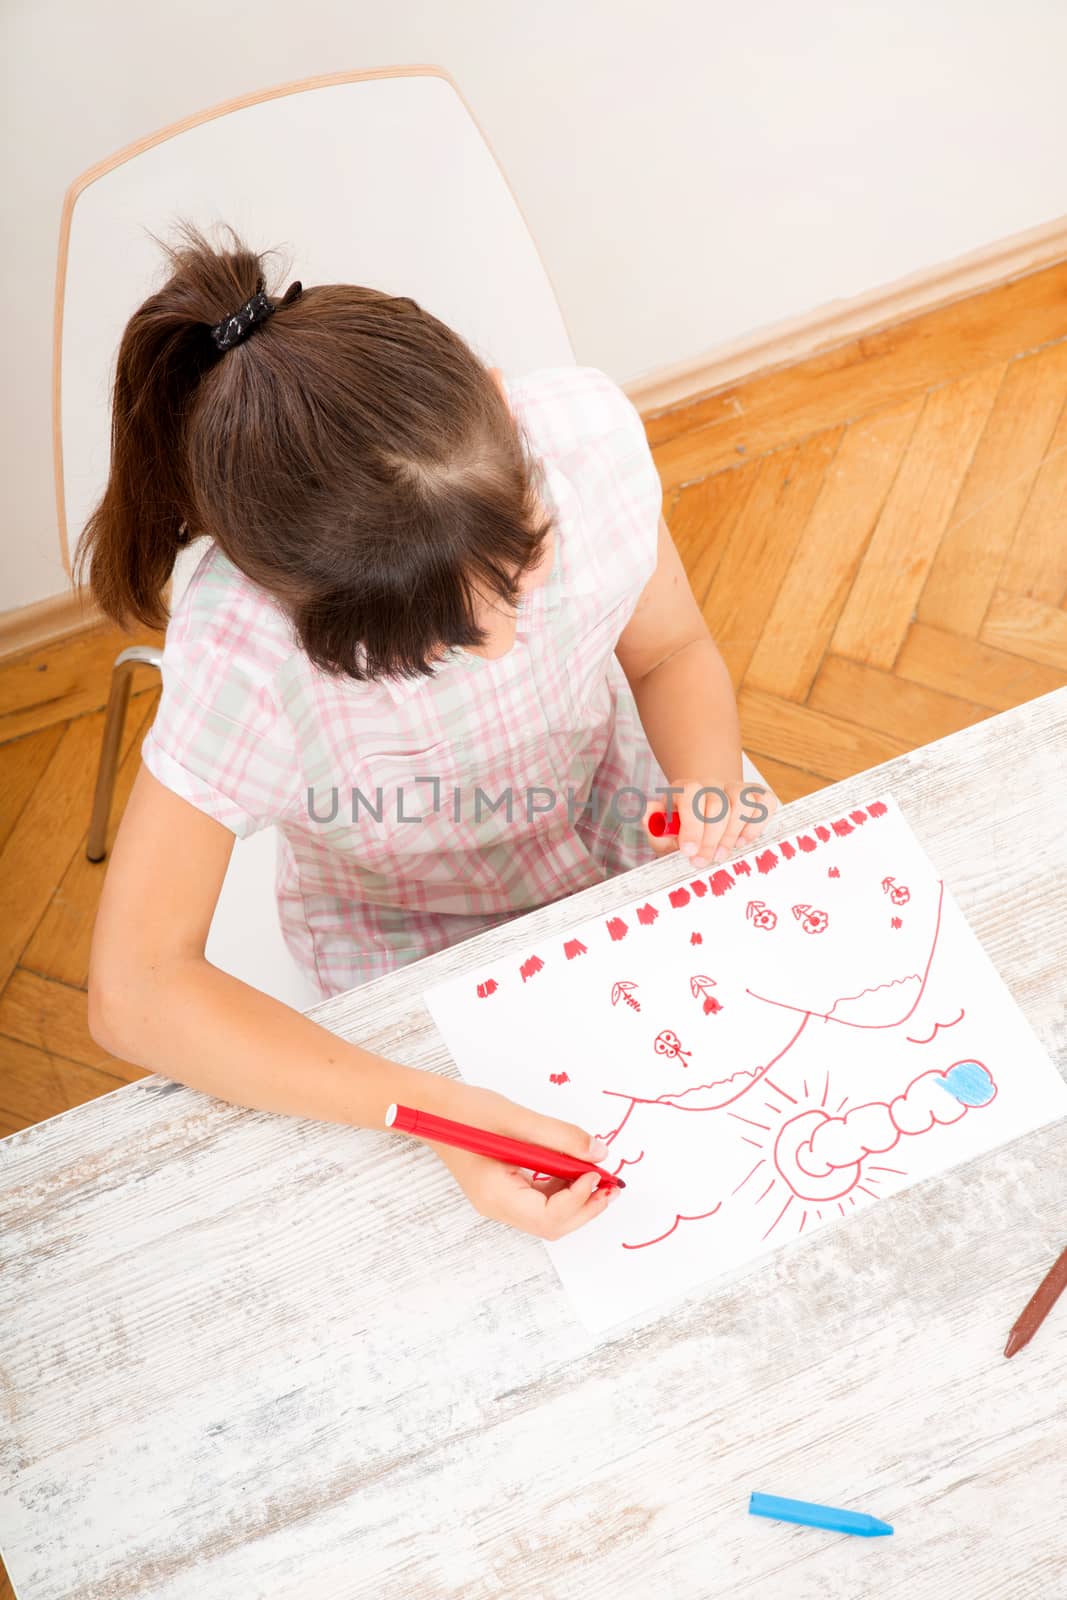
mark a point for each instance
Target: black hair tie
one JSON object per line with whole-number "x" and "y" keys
{"x": 236, "y": 327}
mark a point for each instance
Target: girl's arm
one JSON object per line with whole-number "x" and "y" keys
{"x": 154, "y": 999}
{"x": 688, "y": 710}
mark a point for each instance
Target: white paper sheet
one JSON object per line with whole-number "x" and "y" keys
{"x": 767, "y": 1047}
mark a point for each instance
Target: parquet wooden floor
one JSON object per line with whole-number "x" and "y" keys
{"x": 875, "y": 535}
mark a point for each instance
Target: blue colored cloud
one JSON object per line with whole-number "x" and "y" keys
{"x": 969, "y": 1083}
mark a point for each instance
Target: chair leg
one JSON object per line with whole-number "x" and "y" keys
{"x": 114, "y": 722}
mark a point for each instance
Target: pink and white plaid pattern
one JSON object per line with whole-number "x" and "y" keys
{"x": 248, "y": 729}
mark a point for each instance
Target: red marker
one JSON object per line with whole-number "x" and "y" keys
{"x": 658, "y": 823}
{"x": 535, "y": 1157}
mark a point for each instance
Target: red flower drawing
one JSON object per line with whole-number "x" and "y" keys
{"x": 811, "y": 919}
{"x": 759, "y": 915}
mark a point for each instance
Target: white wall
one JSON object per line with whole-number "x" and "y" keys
{"x": 692, "y": 169}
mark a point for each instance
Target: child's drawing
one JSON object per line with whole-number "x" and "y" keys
{"x": 826, "y": 1054}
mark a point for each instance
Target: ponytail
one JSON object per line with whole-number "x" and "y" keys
{"x": 148, "y": 509}
{"x": 351, "y": 456}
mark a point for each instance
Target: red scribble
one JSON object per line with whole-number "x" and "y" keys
{"x": 778, "y": 1218}
{"x": 699, "y": 888}
{"x": 937, "y": 1025}
{"x": 720, "y": 1100}
{"x": 678, "y": 1218}
{"x": 841, "y": 827}
{"x": 741, "y": 869}
{"x": 487, "y": 988}
{"x": 806, "y": 842}
{"x": 895, "y": 922}
{"x": 628, "y": 1161}
{"x": 834, "y": 872}
{"x": 678, "y": 898}
{"x": 766, "y": 861}
{"x": 696, "y": 938}
{"x": 811, "y": 919}
{"x": 878, "y": 809}
{"x": 760, "y": 1163}
{"x": 572, "y": 948}
{"x": 531, "y": 965}
{"x": 558, "y": 1077}
{"x": 617, "y": 928}
{"x": 609, "y": 1137}
{"x": 720, "y": 882}
{"x": 788, "y": 850}
{"x": 760, "y": 917}
{"x": 822, "y": 833}
{"x": 624, "y": 991}
{"x": 858, "y": 817}
{"x": 646, "y": 914}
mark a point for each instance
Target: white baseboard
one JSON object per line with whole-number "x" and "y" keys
{"x": 783, "y": 343}
{"x": 28, "y": 627}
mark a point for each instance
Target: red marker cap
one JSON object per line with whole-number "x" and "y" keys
{"x": 658, "y": 823}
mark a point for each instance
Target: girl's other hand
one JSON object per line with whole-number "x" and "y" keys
{"x": 751, "y": 807}
{"x": 549, "y": 1208}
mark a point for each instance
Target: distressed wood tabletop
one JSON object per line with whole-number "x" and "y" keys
{"x": 244, "y": 1355}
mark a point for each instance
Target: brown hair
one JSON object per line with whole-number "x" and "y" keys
{"x": 352, "y": 456}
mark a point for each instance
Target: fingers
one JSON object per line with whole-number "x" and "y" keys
{"x": 712, "y": 820}
{"x": 705, "y": 812}
{"x": 761, "y": 800}
{"x": 751, "y": 809}
{"x": 552, "y": 1215}
{"x": 730, "y": 838}
{"x": 576, "y": 1205}
{"x": 556, "y": 1135}
{"x": 548, "y": 1186}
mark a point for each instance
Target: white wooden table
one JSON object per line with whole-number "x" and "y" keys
{"x": 244, "y": 1356}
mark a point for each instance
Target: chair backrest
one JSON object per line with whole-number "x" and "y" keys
{"x": 381, "y": 178}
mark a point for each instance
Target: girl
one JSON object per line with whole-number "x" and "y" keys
{"x": 425, "y": 585}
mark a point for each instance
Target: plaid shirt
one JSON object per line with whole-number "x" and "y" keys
{"x": 253, "y": 734}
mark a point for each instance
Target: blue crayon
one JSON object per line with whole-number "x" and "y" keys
{"x": 816, "y": 1516}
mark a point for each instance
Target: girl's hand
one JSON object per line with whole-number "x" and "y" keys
{"x": 751, "y": 807}
{"x": 546, "y": 1207}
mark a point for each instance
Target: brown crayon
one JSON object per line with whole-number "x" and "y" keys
{"x": 1038, "y": 1306}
